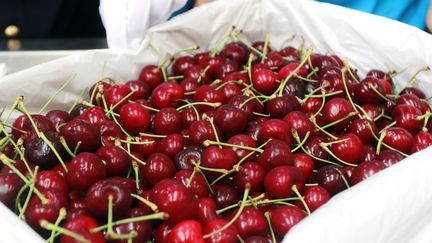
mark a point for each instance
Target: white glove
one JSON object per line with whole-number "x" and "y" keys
{"x": 126, "y": 21}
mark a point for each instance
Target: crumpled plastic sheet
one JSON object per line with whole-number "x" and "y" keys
{"x": 392, "y": 206}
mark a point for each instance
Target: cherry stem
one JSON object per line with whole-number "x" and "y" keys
{"x": 49, "y": 226}
{"x": 260, "y": 114}
{"x": 300, "y": 197}
{"x": 374, "y": 89}
{"x": 340, "y": 120}
{"x": 324, "y": 146}
{"x": 302, "y": 142}
{"x": 209, "y": 142}
{"x": 48, "y": 142}
{"x": 111, "y": 109}
{"x": 152, "y": 135}
{"x": 66, "y": 83}
{"x": 223, "y": 171}
{"x": 18, "y": 206}
{"x": 321, "y": 129}
{"x": 311, "y": 184}
{"x": 249, "y": 66}
{"x": 380, "y": 141}
{"x": 255, "y": 97}
{"x": 242, "y": 206}
{"x": 384, "y": 144}
{"x": 221, "y": 42}
{"x": 255, "y": 201}
{"x": 62, "y": 215}
{"x": 343, "y": 177}
{"x": 155, "y": 216}
{"x": 413, "y": 79}
{"x": 189, "y": 180}
{"x": 29, "y": 194}
{"x": 214, "y": 105}
{"x": 135, "y": 168}
{"x": 176, "y": 77}
{"x": 66, "y": 147}
{"x": 24, "y": 110}
{"x": 160, "y": 61}
{"x": 334, "y": 142}
{"x": 253, "y": 49}
{"x": 305, "y": 79}
{"x": 197, "y": 168}
{"x": 202, "y": 73}
{"x": 347, "y": 91}
{"x": 265, "y": 48}
{"x": 149, "y": 204}
{"x": 14, "y": 106}
{"x": 131, "y": 155}
{"x": 347, "y": 67}
{"x": 267, "y": 216}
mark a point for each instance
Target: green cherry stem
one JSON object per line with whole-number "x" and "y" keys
{"x": 300, "y": 197}
{"x": 267, "y": 216}
{"x": 155, "y": 216}
{"x": 49, "y": 226}
{"x": 66, "y": 83}
{"x": 151, "y": 205}
{"x": 62, "y": 215}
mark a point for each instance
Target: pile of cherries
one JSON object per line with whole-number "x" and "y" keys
{"x": 232, "y": 145}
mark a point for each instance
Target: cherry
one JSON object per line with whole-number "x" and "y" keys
{"x": 49, "y": 180}
{"x": 58, "y": 117}
{"x": 146, "y": 145}
{"x": 230, "y": 120}
{"x": 242, "y": 140}
{"x": 37, "y": 210}
{"x": 84, "y": 170}
{"x": 94, "y": 115}
{"x": 398, "y": 138}
{"x": 282, "y": 105}
{"x": 290, "y": 53}
{"x": 235, "y": 51}
{"x": 166, "y": 95}
{"x": 109, "y": 131}
{"x": 188, "y": 116}
{"x": 213, "y": 64}
{"x": 362, "y": 129}
{"x": 158, "y": 167}
{"x": 275, "y": 153}
{"x": 274, "y": 60}
{"x": 167, "y": 121}
{"x": 275, "y": 129}
{"x": 218, "y": 158}
{"x": 237, "y": 76}
{"x": 421, "y": 141}
{"x": 348, "y": 148}
{"x": 115, "y": 96}
{"x": 252, "y": 173}
{"x": 19, "y": 124}
{"x": 283, "y": 218}
{"x": 369, "y": 153}
{"x": 226, "y": 68}
{"x": 39, "y": 152}
{"x": 389, "y": 157}
{"x": 206, "y": 93}
{"x": 201, "y": 131}
{"x": 372, "y": 111}
{"x": 251, "y": 222}
{"x": 129, "y": 183}
{"x": 161, "y": 233}
{"x": 228, "y": 235}
{"x": 258, "y": 239}
{"x": 253, "y": 129}
{"x": 188, "y": 231}
{"x": 406, "y": 117}
{"x": 313, "y": 147}
{"x": 305, "y": 163}
{"x": 142, "y": 228}
{"x": 230, "y": 90}
{"x": 311, "y": 105}
{"x": 183, "y": 159}
{"x": 337, "y": 109}
{"x": 171, "y": 145}
{"x": 77, "y": 110}
{"x": 364, "y": 93}
{"x": 189, "y": 85}
{"x": 181, "y": 64}
{"x": 97, "y": 198}
{"x": 171, "y": 197}
{"x": 365, "y": 170}
{"x": 116, "y": 160}
{"x": 415, "y": 91}
{"x": 246, "y": 104}
{"x": 195, "y": 182}
{"x": 279, "y": 181}
{"x": 10, "y": 185}
{"x": 224, "y": 195}
{"x": 332, "y": 178}
{"x": 134, "y": 118}
{"x": 82, "y": 225}
{"x": 315, "y": 197}
{"x": 79, "y": 131}
{"x": 42, "y": 123}
{"x": 413, "y": 100}
{"x": 265, "y": 81}
{"x": 151, "y": 75}
{"x": 299, "y": 122}
{"x": 141, "y": 90}
{"x": 197, "y": 74}
{"x": 206, "y": 210}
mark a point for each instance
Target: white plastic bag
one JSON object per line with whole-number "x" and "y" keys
{"x": 392, "y": 206}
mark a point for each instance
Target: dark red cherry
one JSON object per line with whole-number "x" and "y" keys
{"x": 236, "y": 76}
{"x": 348, "y": 148}
{"x": 171, "y": 197}
{"x": 201, "y": 131}
{"x": 224, "y": 195}
{"x": 206, "y": 210}
{"x": 10, "y": 185}
{"x": 279, "y": 181}
{"x": 406, "y": 116}
{"x": 230, "y": 120}
{"x": 141, "y": 89}
{"x": 305, "y": 163}
{"x": 218, "y": 158}
{"x": 188, "y": 116}
{"x": 117, "y": 161}
{"x": 42, "y": 123}
{"x": 235, "y": 51}
{"x": 242, "y": 140}
{"x": 189, "y": 85}
{"x": 283, "y": 218}
{"x": 183, "y": 159}
{"x": 151, "y": 75}
{"x": 258, "y": 239}
{"x": 369, "y": 153}
{"x": 134, "y": 118}
{"x": 252, "y": 173}
{"x": 412, "y": 100}
{"x": 230, "y": 90}
{"x": 275, "y": 129}
{"x": 82, "y": 225}
{"x": 365, "y": 170}
{"x": 251, "y": 222}
{"x": 167, "y": 121}
{"x": 40, "y": 153}
{"x": 315, "y": 197}
{"x": 296, "y": 87}
{"x": 265, "y": 81}
{"x": 274, "y": 60}
{"x": 398, "y": 138}
{"x": 282, "y": 105}
{"x": 372, "y": 111}
{"x": 142, "y": 228}
{"x": 247, "y": 104}
{"x": 332, "y": 178}
{"x": 58, "y": 117}
{"x": 313, "y": 147}
{"x": 109, "y": 132}
{"x": 415, "y": 91}
{"x": 158, "y": 167}
{"x": 171, "y": 145}
{"x": 182, "y": 63}
{"x": 79, "y": 131}
{"x": 146, "y": 145}
{"x": 365, "y": 94}
{"x": 194, "y": 182}
{"x": 338, "y": 109}
{"x": 300, "y": 123}
{"x": 228, "y": 235}
{"x": 115, "y": 96}
{"x": 311, "y": 105}
{"x": 421, "y": 141}
{"x": 275, "y": 153}
{"x": 197, "y": 73}
{"x": 226, "y": 68}
{"x": 206, "y": 93}
{"x": 167, "y": 95}
{"x": 389, "y": 157}
{"x": 290, "y": 53}
{"x": 188, "y": 231}
{"x": 51, "y": 181}
{"x": 94, "y": 115}
{"x": 364, "y": 129}
{"x": 84, "y": 170}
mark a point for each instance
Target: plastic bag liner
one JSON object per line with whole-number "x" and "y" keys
{"x": 392, "y": 206}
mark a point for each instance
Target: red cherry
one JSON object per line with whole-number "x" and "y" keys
{"x": 40, "y": 153}
{"x": 218, "y": 158}
{"x": 230, "y": 120}
{"x": 109, "y": 131}
{"x": 158, "y": 167}
{"x": 313, "y": 147}
{"x": 305, "y": 163}
{"x": 51, "y": 181}
{"x": 235, "y": 51}
{"x": 265, "y": 81}
{"x": 311, "y": 105}
{"x": 282, "y": 105}
{"x": 151, "y": 75}
{"x": 332, "y": 178}
{"x": 348, "y": 148}
{"x": 251, "y": 222}
{"x": 201, "y": 131}
{"x": 206, "y": 210}
{"x": 406, "y": 116}
{"x": 196, "y": 183}
{"x": 142, "y": 228}
{"x": 10, "y": 185}
{"x": 299, "y": 122}
{"x": 389, "y": 157}
{"x": 226, "y": 68}
{"x": 230, "y": 90}
{"x": 315, "y": 197}
{"x": 228, "y": 235}
{"x": 134, "y": 118}
{"x": 283, "y": 218}
{"x": 171, "y": 145}
{"x": 242, "y": 140}
{"x": 362, "y": 129}
{"x": 206, "y": 93}
{"x": 94, "y": 115}
{"x": 415, "y": 91}
{"x": 116, "y": 160}
{"x": 37, "y": 211}
{"x": 188, "y": 231}
{"x": 224, "y": 195}
{"x": 82, "y": 225}
{"x": 181, "y": 64}
{"x": 183, "y": 159}
{"x": 167, "y": 121}
{"x": 275, "y": 153}
{"x": 171, "y": 196}
{"x": 413, "y": 100}
{"x": 166, "y": 95}
{"x": 188, "y": 116}
{"x": 365, "y": 94}
{"x": 84, "y": 170}
{"x": 246, "y": 104}
{"x": 115, "y": 95}
{"x": 141, "y": 90}
{"x": 335, "y": 110}
{"x": 369, "y": 153}
{"x": 146, "y": 146}
{"x": 197, "y": 74}
{"x": 252, "y": 173}
{"x": 79, "y": 131}
{"x": 421, "y": 141}
{"x": 365, "y": 170}
{"x": 399, "y": 138}
{"x": 58, "y": 117}
{"x": 279, "y": 181}
{"x": 275, "y": 129}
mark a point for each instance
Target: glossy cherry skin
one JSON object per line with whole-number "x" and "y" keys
{"x": 399, "y": 138}
{"x": 265, "y": 81}
{"x": 201, "y": 131}
{"x": 40, "y": 153}
{"x": 171, "y": 196}
{"x": 283, "y": 218}
{"x": 42, "y": 123}
{"x": 252, "y": 173}
{"x": 226, "y": 68}
{"x": 364, "y": 129}
{"x": 167, "y": 121}
{"x": 305, "y": 163}
{"x": 299, "y": 122}
{"x": 94, "y": 115}
{"x": 230, "y": 120}
{"x": 142, "y": 228}
{"x": 206, "y": 210}
{"x": 58, "y": 117}
{"x": 182, "y": 63}
{"x": 188, "y": 231}
{"x": 97, "y": 198}
{"x": 258, "y": 239}
{"x": 77, "y": 131}
{"x": 348, "y": 148}
{"x": 246, "y": 104}
{"x": 275, "y": 129}
{"x": 37, "y": 211}
{"x": 313, "y": 147}
{"x": 229, "y": 235}
{"x": 151, "y": 75}
{"x": 224, "y": 195}
{"x": 242, "y": 140}
{"x": 406, "y": 117}
{"x": 207, "y": 93}
{"x": 311, "y": 105}
{"x": 365, "y": 94}
{"x": 109, "y": 131}
{"x": 365, "y": 170}
{"x": 275, "y": 153}
{"x": 412, "y": 100}
{"x": 82, "y": 225}
{"x": 415, "y": 91}
{"x": 315, "y": 197}
{"x": 197, "y": 73}
{"x": 230, "y": 90}
{"x": 52, "y": 181}
{"x": 10, "y": 185}
{"x": 330, "y": 178}
{"x": 158, "y": 167}
{"x": 235, "y": 51}
{"x": 188, "y": 116}
{"x": 183, "y": 159}
{"x": 421, "y": 141}
{"x": 279, "y": 181}
{"x": 171, "y": 145}
{"x": 166, "y": 95}
{"x": 146, "y": 147}
{"x": 115, "y": 96}
{"x": 218, "y": 158}
{"x": 197, "y": 182}
{"x": 251, "y": 222}
{"x": 84, "y": 170}
{"x": 282, "y": 105}
{"x": 134, "y": 118}
{"x": 335, "y": 110}
{"x": 389, "y": 157}
{"x": 141, "y": 90}
{"x": 369, "y": 153}
{"x": 117, "y": 161}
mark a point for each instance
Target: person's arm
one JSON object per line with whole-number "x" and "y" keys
{"x": 429, "y": 17}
